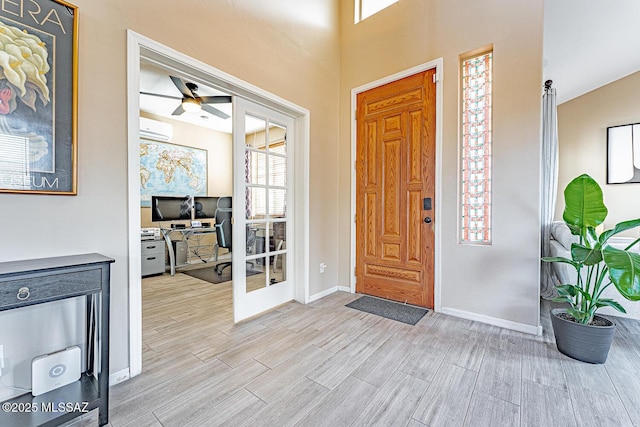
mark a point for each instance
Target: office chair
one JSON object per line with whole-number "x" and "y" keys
{"x": 279, "y": 239}
{"x": 199, "y": 210}
{"x": 223, "y": 232}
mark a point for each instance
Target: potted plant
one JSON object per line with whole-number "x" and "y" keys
{"x": 581, "y": 333}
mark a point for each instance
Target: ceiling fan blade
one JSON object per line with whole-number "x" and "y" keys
{"x": 214, "y": 111}
{"x": 184, "y": 90}
{"x": 178, "y": 110}
{"x": 215, "y": 99}
{"x": 160, "y": 95}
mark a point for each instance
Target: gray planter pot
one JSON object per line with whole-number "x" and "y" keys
{"x": 586, "y": 343}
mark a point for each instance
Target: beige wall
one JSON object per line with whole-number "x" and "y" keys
{"x": 491, "y": 282}
{"x": 287, "y": 47}
{"x": 219, "y": 157}
{"x": 292, "y": 49}
{"x": 582, "y": 139}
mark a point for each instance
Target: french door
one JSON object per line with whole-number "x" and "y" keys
{"x": 262, "y": 208}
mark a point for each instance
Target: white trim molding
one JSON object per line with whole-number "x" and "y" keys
{"x": 326, "y": 292}
{"x": 502, "y": 323}
{"x": 142, "y": 48}
{"x": 118, "y": 377}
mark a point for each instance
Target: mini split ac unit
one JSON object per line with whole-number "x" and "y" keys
{"x": 154, "y": 129}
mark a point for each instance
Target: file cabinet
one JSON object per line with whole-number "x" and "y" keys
{"x": 153, "y": 258}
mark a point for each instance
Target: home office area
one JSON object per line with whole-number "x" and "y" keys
{"x": 182, "y": 243}
{"x": 183, "y": 232}
{"x": 212, "y": 178}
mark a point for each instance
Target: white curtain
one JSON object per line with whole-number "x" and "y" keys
{"x": 549, "y": 183}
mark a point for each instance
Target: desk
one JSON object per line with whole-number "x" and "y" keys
{"x": 194, "y": 249}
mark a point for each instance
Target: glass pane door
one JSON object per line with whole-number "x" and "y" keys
{"x": 262, "y": 141}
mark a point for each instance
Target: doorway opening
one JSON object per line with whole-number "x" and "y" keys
{"x": 142, "y": 49}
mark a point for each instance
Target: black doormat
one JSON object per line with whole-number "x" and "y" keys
{"x": 389, "y": 309}
{"x": 209, "y": 274}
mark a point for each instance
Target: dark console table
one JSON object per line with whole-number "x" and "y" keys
{"x": 39, "y": 281}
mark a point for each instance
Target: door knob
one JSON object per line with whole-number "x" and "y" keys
{"x": 427, "y": 220}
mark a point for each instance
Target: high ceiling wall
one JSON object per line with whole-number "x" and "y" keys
{"x": 288, "y": 47}
{"x": 497, "y": 283}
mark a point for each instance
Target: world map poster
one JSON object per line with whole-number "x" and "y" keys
{"x": 171, "y": 170}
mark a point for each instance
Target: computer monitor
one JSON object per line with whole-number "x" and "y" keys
{"x": 168, "y": 208}
{"x": 205, "y": 207}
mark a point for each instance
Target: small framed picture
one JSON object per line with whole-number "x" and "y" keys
{"x": 623, "y": 154}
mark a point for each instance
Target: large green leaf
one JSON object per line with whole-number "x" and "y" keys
{"x": 619, "y": 228}
{"x": 624, "y": 271}
{"x": 559, "y": 259}
{"x": 584, "y": 206}
{"x": 584, "y": 255}
{"x": 565, "y": 300}
{"x": 567, "y": 290}
{"x": 607, "y": 302}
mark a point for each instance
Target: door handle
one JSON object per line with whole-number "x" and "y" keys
{"x": 427, "y": 220}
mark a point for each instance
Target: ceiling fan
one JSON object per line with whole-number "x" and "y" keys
{"x": 191, "y": 102}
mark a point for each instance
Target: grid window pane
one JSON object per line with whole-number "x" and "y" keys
{"x": 266, "y": 170}
{"x": 476, "y": 149}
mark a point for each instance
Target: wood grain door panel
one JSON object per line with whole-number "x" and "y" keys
{"x": 395, "y": 169}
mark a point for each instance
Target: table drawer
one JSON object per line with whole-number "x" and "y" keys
{"x": 152, "y": 247}
{"x": 36, "y": 289}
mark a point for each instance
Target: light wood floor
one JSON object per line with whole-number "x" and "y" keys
{"x": 328, "y": 365}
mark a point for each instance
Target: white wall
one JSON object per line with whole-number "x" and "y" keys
{"x": 582, "y": 140}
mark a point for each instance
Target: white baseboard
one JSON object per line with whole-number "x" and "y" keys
{"x": 118, "y": 377}
{"x": 322, "y": 294}
{"x": 502, "y": 323}
{"x": 329, "y": 291}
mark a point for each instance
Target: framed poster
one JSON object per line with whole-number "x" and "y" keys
{"x": 623, "y": 154}
{"x": 171, "y": 170}
{"x": 38, "y": 97}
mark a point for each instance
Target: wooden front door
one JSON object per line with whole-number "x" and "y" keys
{"x": 395, "y": 182}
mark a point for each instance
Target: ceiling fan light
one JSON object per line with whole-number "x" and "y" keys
{"x": 190, "y": 105}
